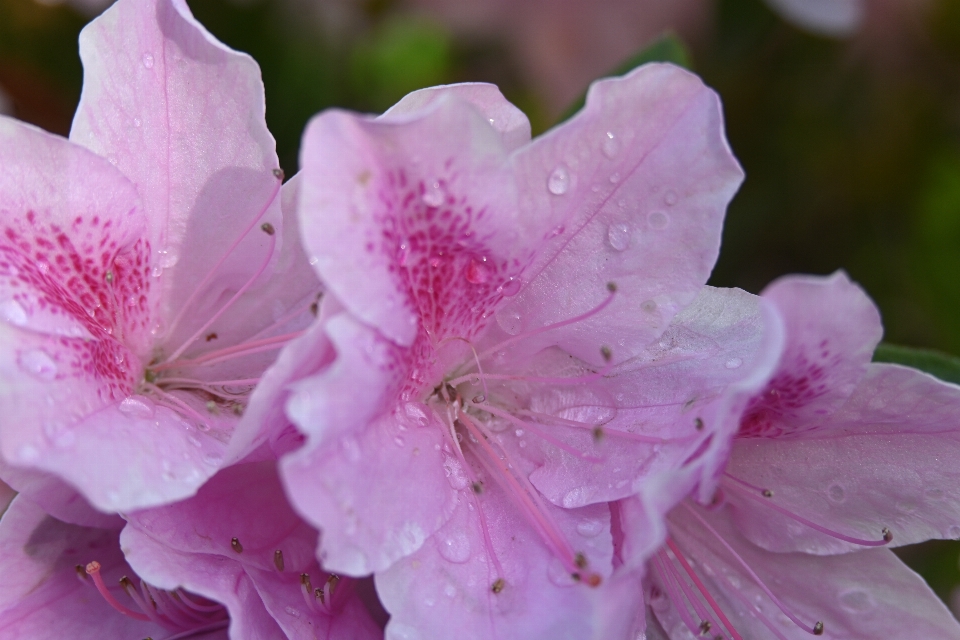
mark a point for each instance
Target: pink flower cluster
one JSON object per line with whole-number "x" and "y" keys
{"x": 446, "y": 382}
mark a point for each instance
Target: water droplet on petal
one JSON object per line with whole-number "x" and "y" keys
{"x": 167, "y": 258}
{"x": 509, "y": 321}
{"x": 136, "y": 407}
{"x": 836, "y": 493}
{"x": 558, "y": 574}
{"x": 614, "y": 178}
{"x": 658, "y": 220}
{"x": 38, "y": 363}
{"x": 556, "y": 231}
{"x": 12, "y": 312}
{"x": 618, "y": 235}
{"x": 733, "y": 363}
{"x": 610, "y": 145}
{"x": 455, "y": 547}
{"x": 559, "y": 181}
{"x": 856, "y": 601}
{"x": 213, "y": 459}
{"x": 433, "y": 195}
{"x": 450, "y": 591}
{"x": 477, "y": 272}
{"x": 670, "y": 197}
{"x": 510, "y": 288}
{"x": 137, "y": 122}
{"x": 293, "y": 612}
{"x": 399, "y": 441}
{"x": 589, "y": 528}
{"x": 147, "y": 60}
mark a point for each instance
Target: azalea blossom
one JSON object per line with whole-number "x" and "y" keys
{"x": 147, "y": 276}
{"x": 486, "y": 374}
{"x": 835, "y": 459}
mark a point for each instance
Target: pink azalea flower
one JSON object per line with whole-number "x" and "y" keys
{"x": 147, "y": 278}
{"x": 238, "y": 542}
{"x": 496, "y": 305}
{"x": 835, "y": 458}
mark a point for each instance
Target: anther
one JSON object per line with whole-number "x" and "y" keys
{"x": 332, "y": 583}
{"x": 767, "y": 493}
{"x": 705, "y": 627}
{"x": 598, "y": 434}
{"x": 237, "y": 409}
{"x": 818, "y": 629}
{"x": 698, "y": 424}
{"x": 315, "y": 309}
{"x": 108, "y": 276}
{"x": 212, "y": 406}
{"x": 267, "y": 228}
{"x": 278, "y": 174}
{"x": 580, "y": 560}
{"x": 149, "y": 376}
{"x": 81, "y": 572}
{"x": 606, "y": 353}
{"x": 305, "y": 581}
{"x": 887, "y": 535}
{"x": 498, "y": 585}
{"x": 612, "y": 287}
{"x": 478, "y": 399}
{"x": 211, "y": 336}
{"x": 318, "y": 594}
{"x": 477, "y": 487}
{"x": 125, "y": 582}
{"x": 278, "y": 559}
{"x": 235, "y": 545}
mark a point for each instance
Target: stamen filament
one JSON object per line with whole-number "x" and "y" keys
{"x": 294, "y": 311}
{"x": 214, "y": 626}
{"x": 93, "y": 570}
{"x": 470, "y": 377}
{"x": 703, "y": 589}
{"x": 613, "y": 432}
{"x": 236, "y": 351}
{"x": 816, "y": 527}
{"x": 203, "y": 329}
{"x": 188, "y": 305}
{"x": 187, "y": 599}
{"x": 141, "y": 601}
{"x": 752, "y": 608}
{"x": 528, "y": 425}
{"x": 760, "y": 583}
{"x": 688, "y": 592}
{"x": 177, "y": 401}
{"x": 670, "y": 583}
{"x": 563, "y": 323}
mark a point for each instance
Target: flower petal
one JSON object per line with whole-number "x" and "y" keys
{"x": 56, "y": 498}
{"x": 633, "y": 191}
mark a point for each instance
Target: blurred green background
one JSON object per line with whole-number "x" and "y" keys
{"x": 851, "y": 144}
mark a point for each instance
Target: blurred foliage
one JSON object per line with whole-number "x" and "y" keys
{"x": 852, "y": 158}
{"x": 936, "y": 363}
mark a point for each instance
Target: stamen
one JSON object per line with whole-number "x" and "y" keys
{"x": 760, "y": 583}
{"x": 242, "y": 349}
{"x": 670, "y": 582}
{"x": 479, "y": 377}
{"x": 188, "y": 600}
{"x": 81, "y": 573}
{"x": 178, "y": 402}
{"x": 235, "y": 545}
{"x": 307, "y": 590}
{"x": 703, "y": 590}
{"x": 611, "y": 287}
{"x": 278, "y": 560}
{"x": 141, "y": 602}
{"x": 527, "y": 425}
{"x": 616, "y": 433}
{"x": 215, "y": 626}
{"x": 498, "y": 585}
{"x": 188, "y": 305}
{"x": 887, "y": 536}
{"x": 93, "y": 570}
{"x": 176, "y": 354}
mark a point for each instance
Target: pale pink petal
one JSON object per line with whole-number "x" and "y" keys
{"x": 890, "y": 459}
{"x": 512, "y": 124}
{"x": 861, "y": 596}
{"x": 448, "y": 583}
{"x": 377, "y": 494}
{"x": 674, "y": 394}
{"x": 432, "y": 244}
{"x": 832, "y": 329}
{"x": 41, "y": 595}
{"x": 154, "y": 81}
{"x": 56, "y": 497}
{"x": 632, "y": 191}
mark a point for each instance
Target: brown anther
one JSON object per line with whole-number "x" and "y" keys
{"x": 580, "y": 560}
{"x": 818, "y": 629}
{"x": 125, "y": 582}
{"x": 315, "y": 309}
{"x": 305, "y": 581}
{"x": 212, "y": 407}
{"x": 237, "y": 409}
{"x": 606, "y": 353}
{"x": 332, "y": 583}
{"x": 594, "y": 580}
{"x": 887, "y": 535}
{"x": 477, "y": 487}
{"x": 149, "y": 376}
{"x": 211, "y": 336}
{"x": 598, "y": 434}
{"x": 698, "y": 424}
{"x": 705, "y": 627}
{"x": 235, "y": 545}
{"x": 318, "y": 594}
{"x": 278, "y": 559}
{"x": 498, "y": 585}
{"x": 108, "y": 276}
{"x": 612, "y": 287}
{"x": 80, "y": 572}
{"x": 278, "y": 174}
{"x": 576, "y": 577}
{"x": 267, "y": 228}
{"x": 767, "y": 493}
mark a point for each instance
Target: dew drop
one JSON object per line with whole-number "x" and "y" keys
{"x": 733, "y": 363}
{"x": 455, "y": 548}
{"x": 477, "y": 272}
{"x": 614, "y": 178}
{"x": 429, "y": 601}
{"x": 658, "y": 220}
{"x": 510, "y": 288}
{"x": 434, "y": 195}
{"x": 589, "y": 528}
{"x": 649, "y": 305}
{"x": 137, "y": 122}
{"x": 509, "y": 321}
{"x": 618, "y": 235}
{"x": 559, "y": 181}
{"x": 670, "y": 197}
{"x": 194, "y": 440}
{"x": 12, "y": 312}
{"x": 213, "y": 459}
{"x": 556, "y": 231}
{"x": 399, "y": 441}
{"x": 610, "y": 145}
{"x": 450, "y": 591}
{"x": 167, "y": 258}
{"x": 39, "y": 364}
{"x": 293, "y": 612}
{"x": 519, "y": 433}
{"x": 836, "y": 493}
{"x": 135, "y": 407}
{"x": 558, "y": 574}
{"x": 147, "y": 60}
{"x": 856, "y": 601}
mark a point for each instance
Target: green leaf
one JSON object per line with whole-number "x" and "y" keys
{"x": 666, "y": 48}
{"x": 941, "y": 365}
